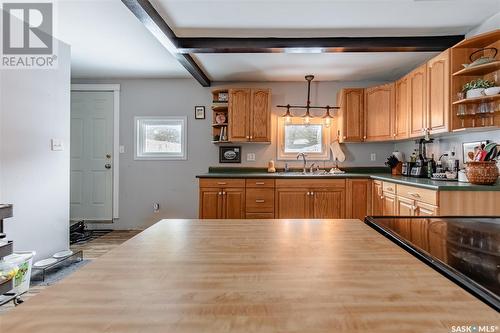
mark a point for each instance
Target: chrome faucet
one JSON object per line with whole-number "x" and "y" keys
{"x": 311, "y": 168}
{"x": 303, "y": 155}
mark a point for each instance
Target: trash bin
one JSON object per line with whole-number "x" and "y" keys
{"x": 24, "y": 261}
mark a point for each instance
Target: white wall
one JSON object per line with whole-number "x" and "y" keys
{"x": 173, "y": 183}
{"x": 35, "y": 107}
{"x": 492, "y": 23}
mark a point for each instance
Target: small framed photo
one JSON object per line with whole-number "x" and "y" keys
{"x": 230, "y": 154}
{"x": 470, "y": 149}
{"x": 223, "y": 97}
{"x": 199, "y": 112}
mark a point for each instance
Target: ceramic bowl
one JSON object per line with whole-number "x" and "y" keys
{"x": 491, "y": 91}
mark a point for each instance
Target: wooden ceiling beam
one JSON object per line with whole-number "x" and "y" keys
{"x": 316, "y": 45}
{"x": 153, "y": 21}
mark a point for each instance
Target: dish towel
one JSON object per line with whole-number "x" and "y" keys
{"x": 337, "y": 153}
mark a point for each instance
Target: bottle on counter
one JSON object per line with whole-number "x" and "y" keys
{"x": 431, "y": 167}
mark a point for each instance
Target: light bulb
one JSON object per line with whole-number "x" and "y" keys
{"x": 327, "y": 121}
{"x": 288, "y": 119}
{"x": 307, "y": 120}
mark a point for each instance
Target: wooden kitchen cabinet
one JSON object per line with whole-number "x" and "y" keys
{"x": 377, "y": 199}
{"x": 389, "y": 204}
{"x": 405, "y": 207}
{"x": 423, "y": 209}
{"x": 249, "y": 112}
{"x": 310, "y": 198}
{"x": 417, "y": 101}
{"x": 438, "y": 93}
{"x": 379, "y": 112}
{"x": 222, "y": 199}
{"x": 402, "y": 109}
{"x": 359, "y": 198}
{"x": 350, "y": 116}
{"x": 292, "y": 203}
{"x": 327, "y": 203}
{"x": 239, "y": 108}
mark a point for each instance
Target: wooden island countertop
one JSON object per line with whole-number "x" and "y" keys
{"x": 252, "y": 276}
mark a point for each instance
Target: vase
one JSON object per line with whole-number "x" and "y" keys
{"x": 473, "y": 93}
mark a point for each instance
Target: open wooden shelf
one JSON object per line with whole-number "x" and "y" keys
{"x": 477, "y": 99}
{"x": 219, "y": 125}
{"x": 216, "y": 142}
{"x": 219, "y": 108}
{"x": 479, "y": 70}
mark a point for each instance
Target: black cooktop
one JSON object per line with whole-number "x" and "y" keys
{"x": 464, "y": 249}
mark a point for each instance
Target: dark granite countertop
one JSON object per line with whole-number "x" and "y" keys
{"x": 368, "y": 173}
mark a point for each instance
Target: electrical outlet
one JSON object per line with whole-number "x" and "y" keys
{"x": 251, "y": 157}
{"x": 156, "y": 207}
{"x": 373, "y": 157}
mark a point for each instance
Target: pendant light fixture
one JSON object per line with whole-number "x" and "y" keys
{"x": 327, "y": 118}
{"x": 287, "y": 116}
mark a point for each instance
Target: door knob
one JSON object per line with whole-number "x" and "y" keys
{"x": 108, "y": 156}
{"x": 107, "y": 166}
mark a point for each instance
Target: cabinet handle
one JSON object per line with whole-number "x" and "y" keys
{"x": 260, "y": 201}
{"x": 251, "y": 137}
{"x": 308, "y": 193}
{"x": 344, "y": 137}
{"x": 364, "y": 137}
{"x": 220, "y": 193}
{"x": 312, "y": 193}
{"x": 390, "y": 189}
{"x": 381, "y": 197}
{"x": 260, "y": 183}
{"x": 248, "y": 137}
{"x": 413, "y": 208}
{"x": 221, "y": 183}
{"x": 413, "y": 194}
{"x": 223, "y": 193}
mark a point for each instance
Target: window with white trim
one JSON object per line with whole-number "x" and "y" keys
{"x": 160, "y": 138}
{"x": 296, "y": 137}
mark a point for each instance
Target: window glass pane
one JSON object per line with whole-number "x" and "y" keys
{"x": 303, "y": 138}
{"x": 163, "y": 138}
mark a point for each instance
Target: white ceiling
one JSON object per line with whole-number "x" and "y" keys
{"x": 325, "y": 67}
{"x": 315, "y": 18}
{"x": 108, "y": 41}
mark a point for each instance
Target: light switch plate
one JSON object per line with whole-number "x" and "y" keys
{"x": 56, "y": 145}
{"x": 373, "y": 157}
{"x": 251, "y": 157}
{"x": 121, "y": 149}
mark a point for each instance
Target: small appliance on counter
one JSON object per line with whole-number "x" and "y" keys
{"x": 406, "y": 168}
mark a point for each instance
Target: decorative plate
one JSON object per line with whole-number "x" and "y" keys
{"x": 220, "y": 118}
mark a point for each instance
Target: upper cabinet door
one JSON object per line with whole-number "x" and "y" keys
{"x": 438, "y": 92}
{"x": 402, "y": 109}
{"x": 351, "y": 122}
{"x": 418, "y": 88}
{"x": 379, "y": 112}
{"x": 239, "y": 114}
{"x": 260, "y": 117}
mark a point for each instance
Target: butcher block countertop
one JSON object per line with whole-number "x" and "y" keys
{"x": 252, "y": 276}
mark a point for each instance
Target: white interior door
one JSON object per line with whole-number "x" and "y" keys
{"x": 91, "y": 155}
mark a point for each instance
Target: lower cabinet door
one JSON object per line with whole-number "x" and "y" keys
{"x": 406, "y": 207}
{"x": 292, "y": 203}
{"x": 210, "y": 203}
{"x": 234, "y": 203}
{"x": 328, "y": 204}
{"x": 389, "y": 204}
{"x": 359, "y": 198}
{"x": 377, "y": 199}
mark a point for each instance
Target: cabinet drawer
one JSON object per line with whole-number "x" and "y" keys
{"x": 311, "y": 183}
{"x": 221, "y": 182}
{"x": 260, "y": 200}
{"x": 389, "y": 187}
{"x": 417, "y": 194}
{"x": 260, "y": 183}
{"x": 257, "y": 216}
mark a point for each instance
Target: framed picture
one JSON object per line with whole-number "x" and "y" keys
{"x": 199, "y": 112}
{"x": 230, "y": 154}
{"x": 470, "y": 149}
{"x": 160, "y": 138}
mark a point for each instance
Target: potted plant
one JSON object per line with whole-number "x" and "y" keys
{"x": 475, "y": 88}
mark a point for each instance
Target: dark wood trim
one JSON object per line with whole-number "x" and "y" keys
{"x": 153, "y": 21}
{"x": 316, "y": 45}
